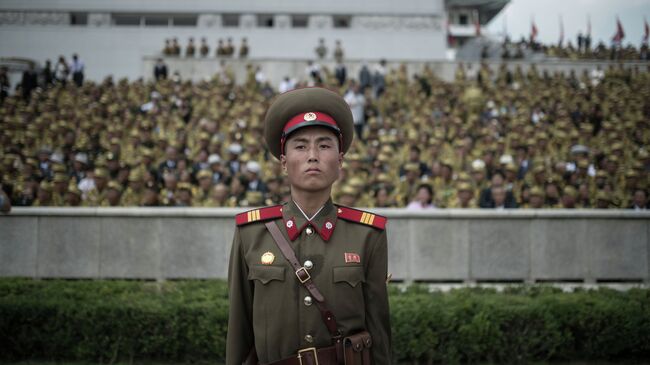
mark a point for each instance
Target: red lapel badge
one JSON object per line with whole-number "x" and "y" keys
{"x": 352, "y": 257}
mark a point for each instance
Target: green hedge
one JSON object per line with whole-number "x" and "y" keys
{"x": 186, "y": 321}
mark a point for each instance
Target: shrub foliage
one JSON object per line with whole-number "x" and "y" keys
{"x": 186, "y": 321}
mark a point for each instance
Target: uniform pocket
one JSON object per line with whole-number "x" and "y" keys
{"x": 266, "y": 274}
{"x": 352, "y": 275}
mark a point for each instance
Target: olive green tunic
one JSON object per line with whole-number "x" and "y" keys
{"x": 268, "y": 309}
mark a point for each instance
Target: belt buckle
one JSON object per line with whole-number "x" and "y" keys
{"x": 309, "y": 349}
{"x": 306, "y": 272}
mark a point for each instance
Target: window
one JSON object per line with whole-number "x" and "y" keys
{"x": 299, "y": 21}
{"x": 184, "y": 20}
{"x": 78, "y": 18}
{"x": 230, "y": 20}
{"x": 342, "y": 21}
{"x": 156, "y": 20}
{"x": 126, "y": 19}
{"x": 265, "y": 20}
{"x": 463, "y": 19}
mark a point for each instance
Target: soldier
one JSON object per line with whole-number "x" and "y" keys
{"x": 243, "y": 48}
{"x": 603, "y": 200}
{"x": 59, "y": 186}
{"x": 133, "y": 194}
{"x": 167, "y": 194}
{"x": 97, "y": 194}
{"x": 536, "y": 198}
{"x": 190, "y": 49}
{"x": 176, "y": 48}
{"x": 464, "y": 196}
{"x": 151, "y": 196}
{"x": 44, "y": 195}
{"x": 73, "y": 195}
{"x": 201, "y": 194}
{"x": 339, "y": 294}
{"x": 221, "y": 49}
{"x": 218, "y": 196}
{"x": 5, "y": 202}
{"x": 113, "y": 195}
{"x": 229, "y": 48}
{"x": 338, "y": 51}
{"x": 348, "y": 196}
{"x": 183, "y": 195}
{"x": 204, "y": 50}
{"x": 321, "y": 50}
{"x": 569, "y": 196}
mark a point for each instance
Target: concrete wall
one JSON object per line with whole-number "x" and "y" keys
{"x": 450, "y": 246}
{"x": 41, "y": 29}
{"x": 383, "y": 7}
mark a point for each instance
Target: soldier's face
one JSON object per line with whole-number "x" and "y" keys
{"x": 312, "y": 159}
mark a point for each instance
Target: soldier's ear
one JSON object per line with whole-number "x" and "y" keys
{"x": 340, "y": 160}
{"x": 283, "y": 162}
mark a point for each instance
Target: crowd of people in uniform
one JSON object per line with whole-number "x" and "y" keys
{"x": 223, "y": 48}
{"x": 582, "y": 49}
{"x": 508, "y": 138}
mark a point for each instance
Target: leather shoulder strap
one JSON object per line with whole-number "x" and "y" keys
{"x": 304, "y": 278}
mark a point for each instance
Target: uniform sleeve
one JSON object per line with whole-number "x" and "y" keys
{"x": 240, "y": 293}
{"x": 376, "y": 299}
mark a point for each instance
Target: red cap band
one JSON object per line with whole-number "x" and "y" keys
{"x": 313, "y": 117}
{"x": 307, "y": 119}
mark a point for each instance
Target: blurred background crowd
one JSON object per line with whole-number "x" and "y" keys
{"x": 503, "y": 139}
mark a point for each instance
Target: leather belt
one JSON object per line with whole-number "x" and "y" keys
{"x": 311, "y": 356}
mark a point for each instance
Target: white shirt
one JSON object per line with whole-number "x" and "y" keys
{"x": 286, "y": 85}
{"x": 416, "y": 205}
{"x": 76, "y": 66}
{"x": 357, "y": 103}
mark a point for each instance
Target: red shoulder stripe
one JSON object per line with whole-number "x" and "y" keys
{"x": 260, "y": 214}
{"x": 359, "y": 216}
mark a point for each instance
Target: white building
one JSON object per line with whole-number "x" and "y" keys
{"x": 118, "y": 36}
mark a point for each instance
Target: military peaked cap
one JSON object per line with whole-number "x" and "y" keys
{"x": 311, "y": 106}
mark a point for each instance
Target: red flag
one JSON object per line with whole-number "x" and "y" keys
{"x": 561, "y": 32}
{"x": 620, "y": 33}
{"x": 646, "y": 31}
{"x": 533, "y": 32}
{"x": 451, "y": 41}
{"x": 477, "y": 24}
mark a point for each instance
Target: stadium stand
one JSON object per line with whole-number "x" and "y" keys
{"x": 504, "y": 139}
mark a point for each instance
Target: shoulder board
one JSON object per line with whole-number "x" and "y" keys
{"x": 359, "y": 216}
{"x": 260, "y": 214}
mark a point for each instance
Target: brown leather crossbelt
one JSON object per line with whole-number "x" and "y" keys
{"x": 351, "y": 350}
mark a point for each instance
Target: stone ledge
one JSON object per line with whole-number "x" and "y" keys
{"x": 388, "y": 212}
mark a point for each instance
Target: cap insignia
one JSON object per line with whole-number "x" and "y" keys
{"x": 309, "y": 117}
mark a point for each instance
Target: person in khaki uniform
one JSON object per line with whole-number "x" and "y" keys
{"x": 274, "y": 319}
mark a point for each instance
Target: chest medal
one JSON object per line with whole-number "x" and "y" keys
{"x": 268, "y": 258}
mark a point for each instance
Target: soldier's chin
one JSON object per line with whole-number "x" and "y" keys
{"x": 315, "y": 187}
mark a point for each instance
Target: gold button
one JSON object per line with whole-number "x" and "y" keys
{"x": 309, "y": 231}
{"x": 309, "y": 338}
{"x": 308, "y": 265}
{"x": 307, "y": 300}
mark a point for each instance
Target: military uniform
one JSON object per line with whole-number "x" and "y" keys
{"x": 275, "y": 317}
{"x": 345, "y": 251}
